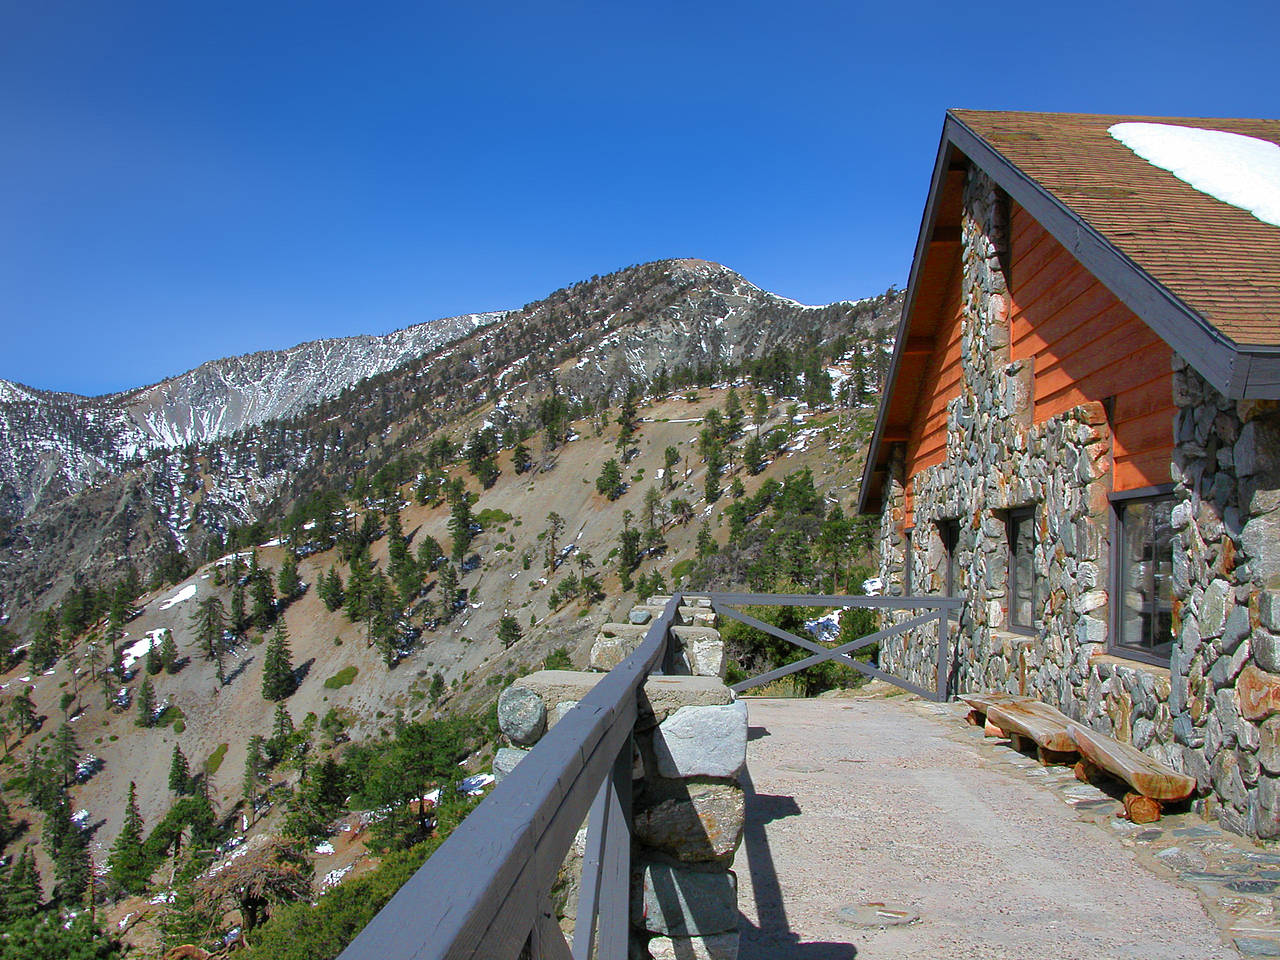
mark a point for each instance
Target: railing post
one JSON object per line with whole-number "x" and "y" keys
{"x": 944, "y": 644}
{"x": 604, "y": 908}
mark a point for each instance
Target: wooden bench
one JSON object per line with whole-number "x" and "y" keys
{"x": 1023, "y": 719}
{"x": 1153, "y": 783}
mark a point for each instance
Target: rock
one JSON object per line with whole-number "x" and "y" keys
{"x": 1236, "y": 628}
{"x": 557, "y": 686}
{"x": 719, "y": 946}
{"x": 639, "y": 616}
{"x": 608, "y": 652}
{"x": 505, "y": 760}
{"x": 1269, "y": 745}
{"x": 680, "y": 902}
{"x": 522, "y": 715}
{"x": 1269, "y": 610}
{"x": 1218, "y": 597}
{"x": 1268, "y": 807}
{"x": 662, "y": 696}
{"x": 1259, "y": 693}
{"x": 706, "y": 824}
{"x": 702, "y": 742}
{"x": 558, "y": 712}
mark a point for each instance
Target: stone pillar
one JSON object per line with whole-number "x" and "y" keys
{"x": 688, "y": 808}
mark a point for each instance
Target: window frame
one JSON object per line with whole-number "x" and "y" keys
{"x": 1120, "y": 500}
{"x": 1014, "y": 516}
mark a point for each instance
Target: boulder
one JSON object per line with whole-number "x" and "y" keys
{"x": 522, "y": 715}
{"x": 505, "y": 760}
{"x": 1259, "y": 693}
{"x": 702, "y": 825}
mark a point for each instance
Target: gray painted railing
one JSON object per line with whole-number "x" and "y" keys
{"x": 939, "y": 607}
{"x": 486, "y": 892}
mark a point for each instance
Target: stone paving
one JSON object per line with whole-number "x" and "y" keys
{"x": 1237, "y": 882}
{"x": 983, "y": 852}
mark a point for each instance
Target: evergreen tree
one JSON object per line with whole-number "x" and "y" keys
{"x": 277, "y": 665}
{"x": 154, "y": 664}
{"x": 8, "y": 829}
{"x": 254, "y": 766}
{"x": 753, "y": 455}
{"x": 460, "y": 520}
{"x": 287, "y": 579}
{"x": 711, "y": 485}
{"x": 146, "y": 703}
{"x": 330, "y": 590}
{"x": 670, "y": 459}
{"x": 706, "y": 544}
{"x": 508, "y": 631}
{"x": 208, "y": 621}
{"x": 429, "y": 553}
{"x": 609, "y": 484}
{"x": 66, "y": 753}
{"x": 168, "y": 652}
{"x": 264, "y": 601}
{"x": 521, "y": 461}
{"x": 239, "y": 618}
{"x": 627, "y": 421}
{"x": 22, "y": 896}
{"x": 281, "y": 734}
{"x": 555, "y": 525}
{"x": 733, "y": 414}
{"x": 71, "y": 868}
{"x": 179, "y": 772}
{"x": 448, "y": 587}
{"x": 22, "y": 710}
{"x": 127, "y": 864}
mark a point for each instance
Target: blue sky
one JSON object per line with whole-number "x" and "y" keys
{"x": 180, "y": 182}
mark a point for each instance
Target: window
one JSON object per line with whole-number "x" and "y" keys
{"x": 908, "y": 563}
{"x": 1022, "y": 580}
{"x": 949, "y": 534}
{"x": 1143, "y": 550}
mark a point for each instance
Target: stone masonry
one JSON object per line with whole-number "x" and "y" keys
{"x": 1215, "y": 712}
{"x": 688, "y": 808}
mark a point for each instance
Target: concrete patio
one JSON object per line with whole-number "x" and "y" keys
{"x": 895, "y": 801}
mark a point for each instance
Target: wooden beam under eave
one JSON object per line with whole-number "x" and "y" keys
{"x": 944, "y": 234}
{"x": 895, "y": 435}
{"x": 917, "y": 347}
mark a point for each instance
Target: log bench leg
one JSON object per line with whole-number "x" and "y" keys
{"x": 1087, "y": 772}
{"x": 989, "y": 729}
{"x": 976, "y": 718}
{"x": 1140, "y": 809}
{"x": 1061, "y": 757}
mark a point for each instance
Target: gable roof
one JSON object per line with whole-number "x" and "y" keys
{"x": 1203, "y": 274}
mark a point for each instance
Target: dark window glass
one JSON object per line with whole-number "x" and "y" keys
{"x": 1146, "y": 576}
{"x": 949, "y": 534}
{"x": 1022, "y": 581}
{"x": 908, "y": 564}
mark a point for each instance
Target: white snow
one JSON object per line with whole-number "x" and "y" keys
{"x": 136, "y": 651}
{"x": 334, "y": 877}
{"x": 473, "y": 786}
{"x": 825, "y": 628}
{"x": 186, "y": 593}
{"x": 1239, "y": 170}
{"x": 325, "y": 848}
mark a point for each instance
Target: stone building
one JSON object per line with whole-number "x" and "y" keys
{"x": 1080, "y": 434}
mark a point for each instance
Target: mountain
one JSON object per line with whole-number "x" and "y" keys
{"x": 90, "y": 484}
{"x": 54, "y": 444}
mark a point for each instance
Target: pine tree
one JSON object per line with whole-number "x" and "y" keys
{"x": 8, "y": 829}
{"x": 264, "y": 601}
{"x": 281, "y": 734}
{"x": 460, "y": 520}
{"x": 521, "y": 461}
{"x": 670, "y": 459}
{"x": 287, "y": 579}
{"x": 127, "y": 863}
{"x": 277, "y": 666}
{"x": 254, "y": 765}
{"x": 22, "y": 711}
{"x": 72, "y": 869}
{"x": 154, "y": 663}
{"x": 208, "y": 621}
{"x": 179, "y": 772}
{"x": 239, "y": 619}
{"x": 146, "y": 703}
{"x": 448, "y": 586}
{"x": 330, "y": 590}
{"x": 66, "y": 753}
{"x": 168, "y": 652}
{"x": 509, "y": 631}
{"x": 22, "y": 896}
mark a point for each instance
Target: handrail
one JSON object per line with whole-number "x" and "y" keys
{"x": 485, "y": 893}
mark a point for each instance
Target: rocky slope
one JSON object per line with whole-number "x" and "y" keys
{"x": 89, "y": 484}
{"x": 55, "y": 444}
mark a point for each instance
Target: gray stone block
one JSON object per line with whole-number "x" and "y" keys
{"x": 662, "y": 696}
{"x": 639, "y": 616}
{"x": 522, "y": 715}
{"x": 608, "y": 652}
{"x": 702, "y": 742}
{"x": 720, "y": 946}
{"x": 505, "y": 760}
{"x": 679, "y": 902}
{"x": 557, "y": 686}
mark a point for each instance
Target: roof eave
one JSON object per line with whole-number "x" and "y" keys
{"x": 927, "y": 220}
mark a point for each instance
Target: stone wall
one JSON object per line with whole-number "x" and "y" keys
{"x": 688, "y": 808}
{"x": 1213, "y": 712}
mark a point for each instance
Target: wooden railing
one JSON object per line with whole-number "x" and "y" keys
{"x": 486, "y": 892}
{"x": 939, "y": 608}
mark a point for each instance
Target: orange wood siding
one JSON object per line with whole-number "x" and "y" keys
{"x": 1087, "y": 345}
{"x": 927, "y": 442}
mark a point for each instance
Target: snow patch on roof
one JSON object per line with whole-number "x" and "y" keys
{"x": 1239, "y": 170}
